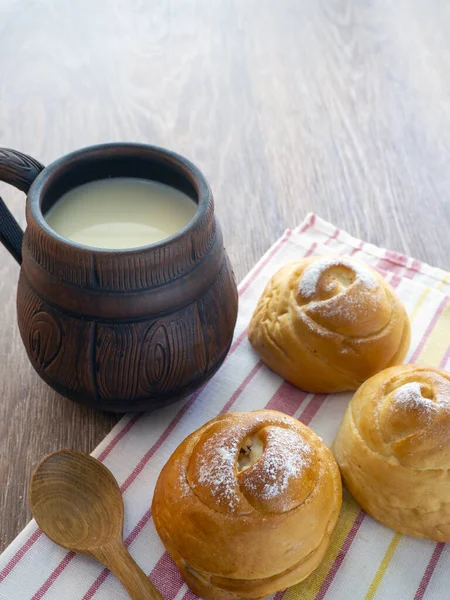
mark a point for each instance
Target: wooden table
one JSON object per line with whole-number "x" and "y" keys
{"x": 334, "y": 106}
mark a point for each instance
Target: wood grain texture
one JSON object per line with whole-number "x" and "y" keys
{"x": 68, "y": 483}
{"x": 20, "y": 171}
{"x": 96, "y": 326}
{"x": 336, "y": 106}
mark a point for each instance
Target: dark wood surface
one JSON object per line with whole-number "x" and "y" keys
{"x": 334, "y": 106}
{"x": 120, "y": 332}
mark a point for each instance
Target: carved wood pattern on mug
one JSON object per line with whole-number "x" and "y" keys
{"x": 70, "y": 367}
{"x": 18, "y": 169}
{"x": 42, "y": 332}
{"x": 173, "y": 352}
{"x": 139, "y": 360}
{"x": 68, "y": 364}
{"x": 29, "y": 302}
{"x": 45, "y": 338}
{"x": 219, "y": 304}
{"x": 58, "y": 259}
{"x": 158, "y": 356}
{"x": 128, "y": 361}
{"x": 117, "y": 360}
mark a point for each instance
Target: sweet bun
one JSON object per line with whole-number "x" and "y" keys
{"x": 327, "y": 324}
{"x": 246, "y": 505}
{"x": 393, "y": 448}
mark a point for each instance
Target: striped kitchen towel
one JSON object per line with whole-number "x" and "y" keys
{"x": 365, "y": 560}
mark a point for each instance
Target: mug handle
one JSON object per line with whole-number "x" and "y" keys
{"x": 20, "y": 171}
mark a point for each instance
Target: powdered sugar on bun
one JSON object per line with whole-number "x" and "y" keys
{"x": 262, "y": 464}
{"x": 356, "y": 272}
{"x": 394, "y": 452}
{"x": 326, "y": 324}
{"x": 246, "y": 505}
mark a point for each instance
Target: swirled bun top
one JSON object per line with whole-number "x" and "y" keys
{"x": 326, "y": 324}
{"x": 408, "y": 417}
{"x": 259, "y": 493}
{"x": 393, "y": 448}
{"x": 279, "y": 481}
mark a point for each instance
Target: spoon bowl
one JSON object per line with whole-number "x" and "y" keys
{"x": 77, "y": 503}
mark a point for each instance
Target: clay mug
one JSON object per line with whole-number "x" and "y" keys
{"x": 120, "y": 330}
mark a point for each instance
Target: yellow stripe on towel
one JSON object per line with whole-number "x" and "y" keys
{"x": 383, "y": 567}
{"x": 309, "y": 588}
{"x": 437, "y": 343}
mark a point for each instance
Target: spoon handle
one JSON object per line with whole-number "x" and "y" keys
{"x": 119, "y": 561}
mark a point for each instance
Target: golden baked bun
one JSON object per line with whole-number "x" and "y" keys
{"x": 246, "y": 505}
{"x": 393, "y": 448}
{"x": 326, "y": 324}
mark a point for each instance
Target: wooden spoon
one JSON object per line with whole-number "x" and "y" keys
{"x": 77, "y": 503}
